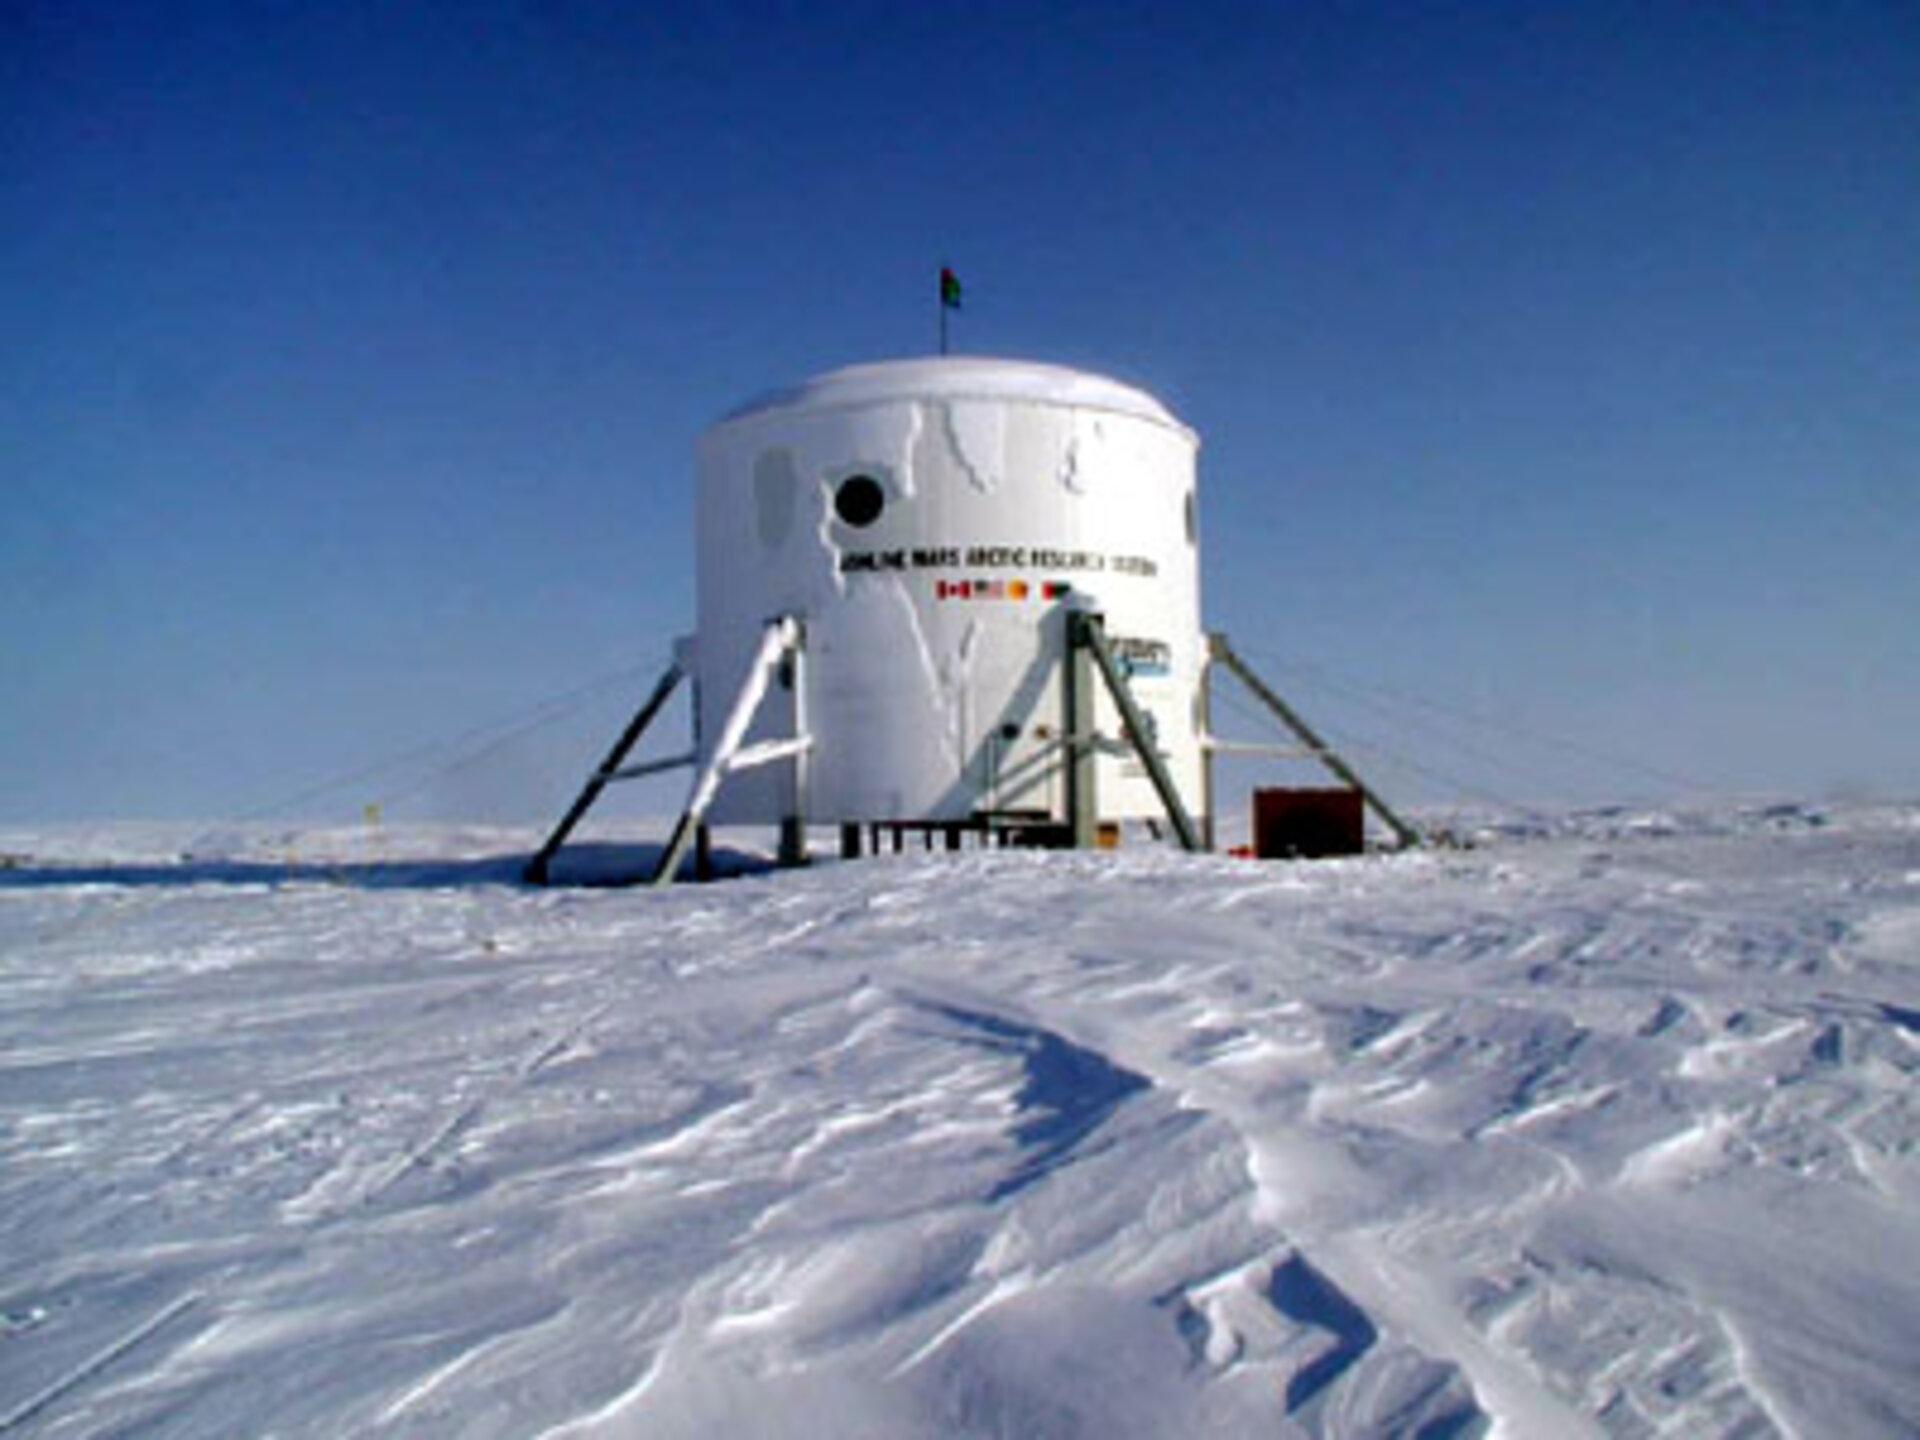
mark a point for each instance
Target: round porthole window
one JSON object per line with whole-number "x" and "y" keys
{"x": 859, "y": 501}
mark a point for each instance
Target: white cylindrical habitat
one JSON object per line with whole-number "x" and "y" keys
{"x": 931, "y": 522}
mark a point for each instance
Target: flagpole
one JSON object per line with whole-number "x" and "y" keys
{"x": 949, "y": 300}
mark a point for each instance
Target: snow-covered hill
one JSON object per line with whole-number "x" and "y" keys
{"x": 1605, "y": 1126}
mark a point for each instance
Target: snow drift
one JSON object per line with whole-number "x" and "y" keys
{"x": 1605, "y": 1127}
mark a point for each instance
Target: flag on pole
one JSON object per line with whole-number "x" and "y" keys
{"x": 949, "y": 289}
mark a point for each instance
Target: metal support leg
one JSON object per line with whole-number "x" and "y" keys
{"x": 793, "y": 825}
{"x": 793, "y": 842}
{"x": 1083, "y": 810}
{"x": 1209, "y": 837}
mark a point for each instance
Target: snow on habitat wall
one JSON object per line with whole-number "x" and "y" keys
{"x": 933, "y": 521}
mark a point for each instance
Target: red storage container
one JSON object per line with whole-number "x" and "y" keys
{"x": 1308, "y": 824}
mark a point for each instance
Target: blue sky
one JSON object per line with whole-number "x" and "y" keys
{"x": 1553, "y": 363}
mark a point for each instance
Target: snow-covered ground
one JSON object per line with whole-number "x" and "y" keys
{"x": 1607, "y": 1125}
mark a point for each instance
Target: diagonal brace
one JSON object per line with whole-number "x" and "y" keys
{"x": 608, "y": 770}
{"x": 1408, "y": 837}
{"x": 781, "y": 637}
{"x": 1090, "y": 632}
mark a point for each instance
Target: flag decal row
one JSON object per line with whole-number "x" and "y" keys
{"x": 1001, "y": 590}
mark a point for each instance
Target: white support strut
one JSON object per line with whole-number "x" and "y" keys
{"x": 1251, "y": 747}
{"x": 651, "y": 767}
{"x": 751, "y": 757}
{"x": 779, "y": 638}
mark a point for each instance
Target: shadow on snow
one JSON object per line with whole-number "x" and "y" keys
{"x": 589, "y": 864}
{"x": 1068, "y": 1093}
